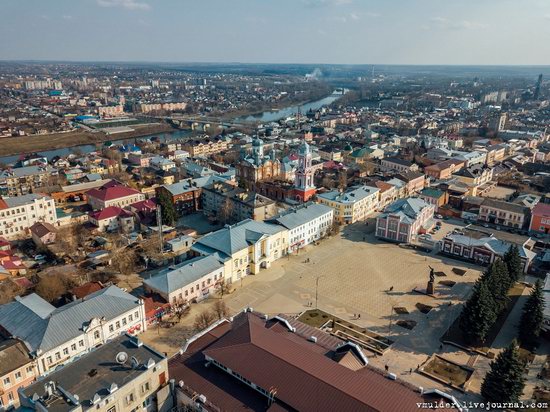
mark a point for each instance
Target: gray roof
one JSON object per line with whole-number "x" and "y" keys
{"x": 24, "y": 171}
{"x": 407, "y": 209}
{"x": 232, "y": 239}
{"x": 23, "y": 200}
{"x": 184, "y": 274}
{"x": 499, "y": 247}
{"x": 299, "y": 216}
{"x": 351, "y": 195}
{"x": 76, "y": 379}
{"x": 185, "y": 186}
{"x": 44, "y": 327}
{"x": 502, "y": 205}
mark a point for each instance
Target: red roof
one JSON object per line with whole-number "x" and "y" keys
{"x": 305, "y": 375}
{"x": 109, "y": 212}
{"x": 86, "y": 289}
{"x": 541, "y": 209}
{"x": 112, "y": 192}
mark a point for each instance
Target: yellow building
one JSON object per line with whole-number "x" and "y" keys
{"x": 353, "y": 205}
{"x": 244, "y": 248}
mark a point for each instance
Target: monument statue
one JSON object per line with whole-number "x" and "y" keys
{"x": 430, "y": 288}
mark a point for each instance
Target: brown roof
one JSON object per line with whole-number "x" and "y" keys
{"x": 86, "y": 289}
{"x": 41, "y": 229}
{"x": 13, "y": 355}
{"x": 305, "y": 375}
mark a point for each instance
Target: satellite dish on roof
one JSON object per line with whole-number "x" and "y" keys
{"x": 121, "y": 358}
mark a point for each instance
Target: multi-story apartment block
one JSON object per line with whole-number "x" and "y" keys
{"x": 353, "y": 205}
{"x": 18, "y": 214}
{"x": 113, "y": 194}
{"x": 306, "y": 224}
{"x": 205, "y": 147}
{"x": 17, "y": 370}
{"x": 404, "y": 219}
{"x": 244, "y": 248}
{"x": 55, "y": 336}
{"x": 503, "y": 213}
{"x": 155, "y": 107}
{"x": 122, "y": 375}
{"x": 24, "y": 180}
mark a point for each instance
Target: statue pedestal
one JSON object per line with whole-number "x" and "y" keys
{"x": 430, "y": 289}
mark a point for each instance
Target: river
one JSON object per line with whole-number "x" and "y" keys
{"x": 274, "y": 115}
{"x": 268, "y": 116}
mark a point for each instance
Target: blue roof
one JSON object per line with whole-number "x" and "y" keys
{"x": 299, "y": 216}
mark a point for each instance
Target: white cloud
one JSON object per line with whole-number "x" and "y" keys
{"x": 67, "y": 17}
{"x": 354, "y": 16}
{"x": 446, "y": 24}
{"x": 125, "y": 4}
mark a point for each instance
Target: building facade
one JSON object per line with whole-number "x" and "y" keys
{"x": 404, "y": 219}
{"x": 18, "y": 214}
{"x": 353, "y": 205}
{"x": 56, "y": 336}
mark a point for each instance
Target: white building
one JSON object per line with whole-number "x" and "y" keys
{"x": 192, "y": 280}
{"x": 18, "y": 214}
{"x": 353, "y": 205}
{"x": 306, "y": 224}
{"x": 55, "y": 336}
{"x": 113, "y": 194}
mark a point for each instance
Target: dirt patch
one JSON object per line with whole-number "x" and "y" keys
{"x": 449, "y": 372}
{"x": 449, "y": 283}
{"x": 440, "y": 274}
{"x": 459, "y": 272}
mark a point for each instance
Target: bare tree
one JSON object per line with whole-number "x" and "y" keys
{"x": 225, "y": 214}
{"x": 8, "y": 291}
{"x": 203, "y": 320}
{"x": 124, "y": 261}
{"x": 220, "y": 309}
{"x": 52, "y": 286}
{"x": 223, "y": 288}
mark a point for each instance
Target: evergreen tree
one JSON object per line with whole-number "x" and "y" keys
{"x": 498, "y": 282}
{"x": 168, "y": 212}
{"x": 514, "y": 263}
{"x": 532, "y": 317}
{"x": 478, "y": 315}
{"x": 505, "y": 381}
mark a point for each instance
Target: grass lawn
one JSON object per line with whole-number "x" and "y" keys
{"x": 455, "y": 335}
{"x": 447, "y": 371}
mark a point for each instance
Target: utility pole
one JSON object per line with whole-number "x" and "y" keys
{"x": 159, "y": 226}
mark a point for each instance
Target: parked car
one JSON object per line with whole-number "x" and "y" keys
{"x": 439, "y": 216}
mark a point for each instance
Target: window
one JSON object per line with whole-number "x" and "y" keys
{"x": 136, "y": 314}
{"x": 111, "y": 328}
{"x": 66, "y": 351}
{"x": 118, "y": 324}
{"x": 124, "y": 321}
{"x": 73, "y": 347}
{"x": 18, "y": 375}
{"x": 30, "y": 370}
{"x": 7, "y": 381}
{"x": 10, "y": 397}
{"x": 50, "y": 360}
{"x": 57, "y": 356}
{"x": 112, "y": 409}
{"x": 80, "y": 343}
{"x": 130, "y": 317}
{"x": 96, "y": 334}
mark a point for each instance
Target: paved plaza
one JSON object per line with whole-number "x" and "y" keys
{"x": 353, "y": 274}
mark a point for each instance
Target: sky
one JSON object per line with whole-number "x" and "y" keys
{"x": 486, "y": 32}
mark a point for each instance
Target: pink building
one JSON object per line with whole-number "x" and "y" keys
{"x": 404, "y": 219}
{"x": 17, "y": 370}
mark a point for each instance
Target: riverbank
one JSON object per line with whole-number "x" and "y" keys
{"x": 11, "y": 146}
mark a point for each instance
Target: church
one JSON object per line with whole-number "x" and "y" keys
{"x": 258, "y": 166}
